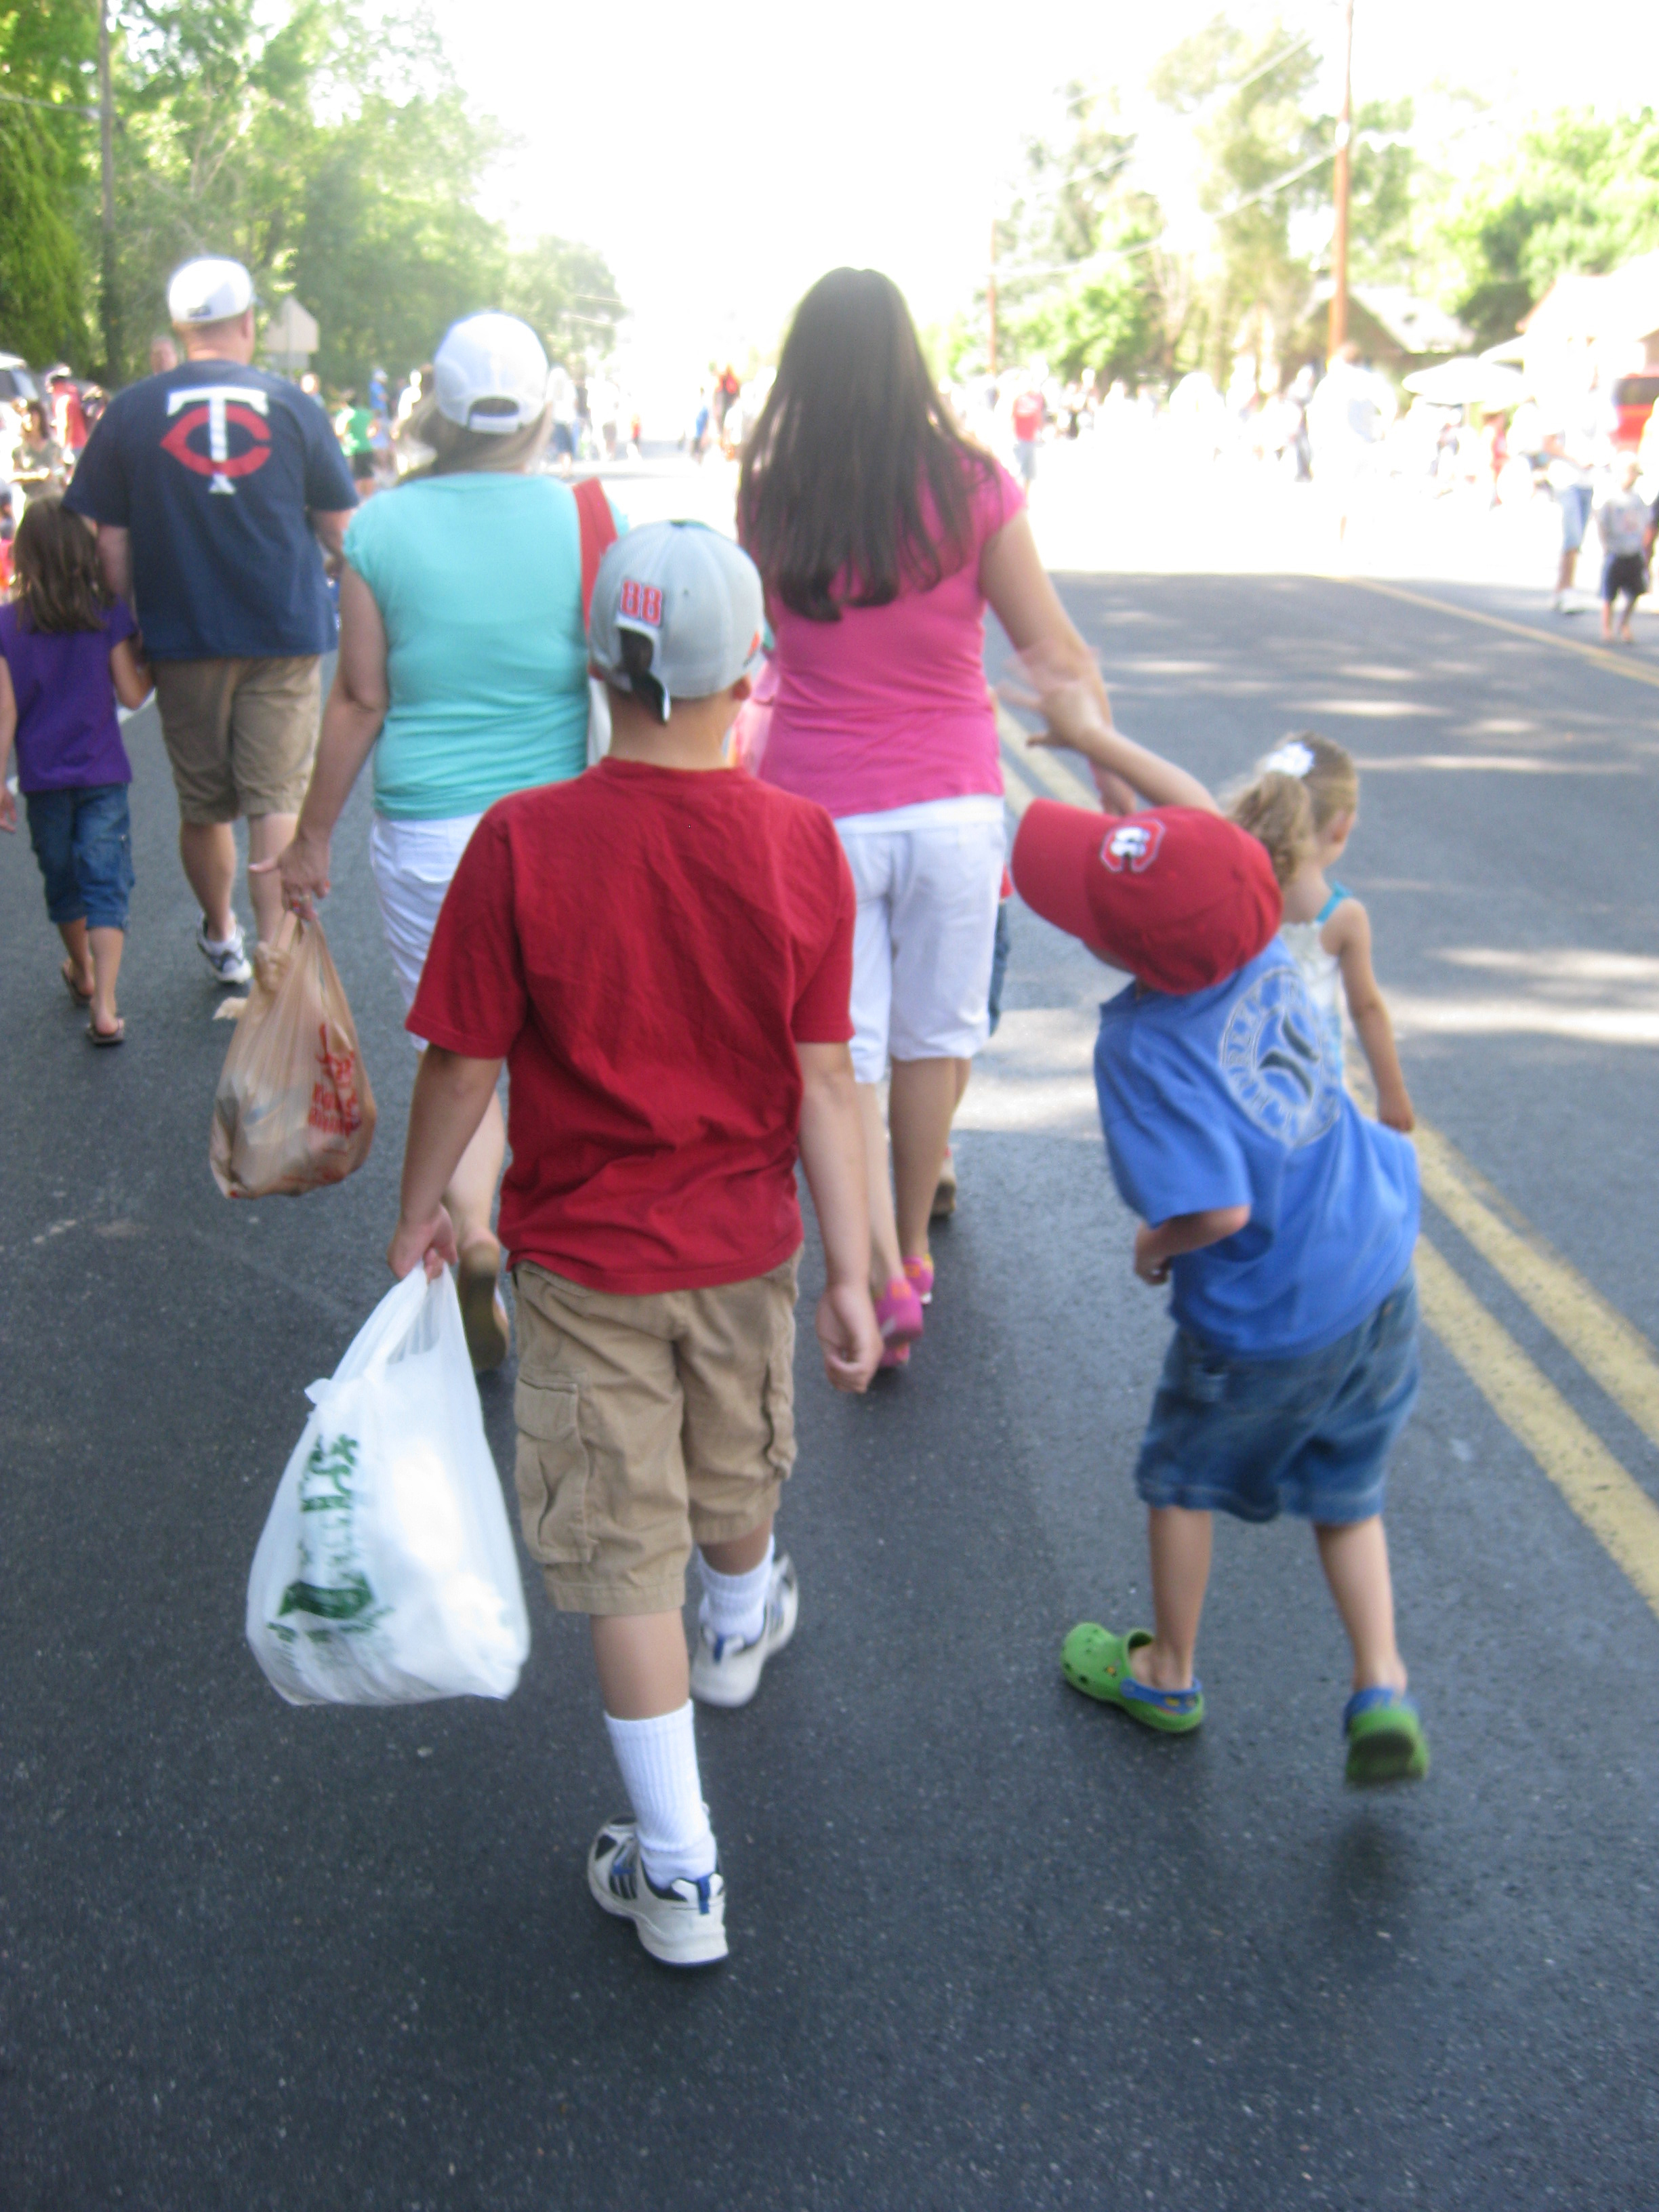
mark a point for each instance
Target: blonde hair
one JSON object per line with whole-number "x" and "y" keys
{"x": 1299, "y": 791}
{"x": 458, "y": 452}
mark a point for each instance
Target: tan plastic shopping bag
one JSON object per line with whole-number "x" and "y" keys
{"x": 294, "y": 1109}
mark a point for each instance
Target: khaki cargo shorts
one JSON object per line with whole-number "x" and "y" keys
{"x": 240, "y": 734}
{"x": 646, "y": 1425}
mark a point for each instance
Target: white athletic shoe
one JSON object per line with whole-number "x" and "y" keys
{"x": 683, "y": 1925}
{"x": 229, "y": 960}
{"x": 727, "y": 1674}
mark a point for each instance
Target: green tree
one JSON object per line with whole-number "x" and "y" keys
{"x": 1081, "y": 287}
{"x": 331, "y": 150}
{"x": 1577, "y": 192}
{"x": 1247, "y": 98}
{"x": 47, "y": 54}
{"x": 566, "y": 293}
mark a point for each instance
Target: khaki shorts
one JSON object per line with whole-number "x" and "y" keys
{"x": 240, "y": 734}
{"x": 646, "y": 1425}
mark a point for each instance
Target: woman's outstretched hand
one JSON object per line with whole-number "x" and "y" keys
{"x": 303, "y": 866}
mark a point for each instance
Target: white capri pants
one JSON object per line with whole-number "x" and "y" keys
{"x": 929, "y": 878}
{"x": 413, "y": 863}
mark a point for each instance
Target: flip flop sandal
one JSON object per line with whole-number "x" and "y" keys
{"x": 1097, "y": 1663}
{"x": 117, "y": 1036}
{"x": 1385, "y": 1738}
{"x": 81, "y": 998}
{"x": 484, "y": 1315}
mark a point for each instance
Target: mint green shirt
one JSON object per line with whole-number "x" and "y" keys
{"x": 478, "y": 581}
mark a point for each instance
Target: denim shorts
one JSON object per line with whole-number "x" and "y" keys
{"x": 1574, "y": 501}
{"x": 1310, "y": 1436}
{"x": 82, "y": 838}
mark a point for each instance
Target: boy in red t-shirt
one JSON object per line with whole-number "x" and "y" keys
{"x": 661, "y": 950}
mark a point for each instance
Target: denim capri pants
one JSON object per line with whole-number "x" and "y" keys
{"x": 82, "y": 838}
{"x": 1309, "y": 1435}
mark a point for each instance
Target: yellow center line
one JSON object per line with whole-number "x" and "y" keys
{"x": 1615, "y": 664}
{"x": 1614, "y": 1509}
{"x": 1601, "y": 1340}
{"x": 1042, "y": 764}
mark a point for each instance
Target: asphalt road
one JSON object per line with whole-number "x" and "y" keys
{"x": 992, "y": 1946}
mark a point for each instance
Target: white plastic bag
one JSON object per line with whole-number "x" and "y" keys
{"x": 386, "y": 1572}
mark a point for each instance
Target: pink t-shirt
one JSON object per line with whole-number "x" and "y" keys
{"x": 889, "y": 706}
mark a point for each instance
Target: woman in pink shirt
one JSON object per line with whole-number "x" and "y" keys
{"x": 882, "y": 532}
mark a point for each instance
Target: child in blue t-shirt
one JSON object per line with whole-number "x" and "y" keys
{"x": 66, "y": 655}
{"x": 1283, "y": 1221}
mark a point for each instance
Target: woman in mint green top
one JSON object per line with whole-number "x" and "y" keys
{"x": 462, "y": 668}
{"x": 477, "y": 580}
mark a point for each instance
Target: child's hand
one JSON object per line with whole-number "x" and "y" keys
{"x": 1393, "y": 1111}
{"x": 1152, "y": 1258}
{"x": 1068, "y": 694}
{"x": 847, "y": 1335}
{"x": 7, "y": 808}
{"x": 431, "y": 1243}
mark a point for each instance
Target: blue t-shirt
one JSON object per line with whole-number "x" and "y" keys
{"x": 1233, "y": 1096}
{"x": 479, "y": 580}
{"x": 216, "y": 470}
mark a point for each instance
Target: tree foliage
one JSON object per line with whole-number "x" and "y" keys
{"x": 1081, "y": 288}
{"x": 46, "y": 59}
{"x": 1578, "y": 193}
{"x": 330, "y": 149}
{"x": 1246, "y": 95}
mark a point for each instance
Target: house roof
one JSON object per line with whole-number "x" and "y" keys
{"x": 1417, "y": 327}
{"x": 1622, "y": 305}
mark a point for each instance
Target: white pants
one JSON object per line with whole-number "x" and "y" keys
{"x": 413, "y": 863}
{"x": 928, "y": 893}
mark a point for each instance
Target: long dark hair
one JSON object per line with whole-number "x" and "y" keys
{"x": 830, "y": 505}
{"x": 57, "y": 581}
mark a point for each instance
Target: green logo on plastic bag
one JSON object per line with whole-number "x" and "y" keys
{"x": 331, "y": 1585}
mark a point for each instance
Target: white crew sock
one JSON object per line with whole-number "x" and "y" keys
{"x": 659, "y": 1762}
{"x": 734, "y": 1606}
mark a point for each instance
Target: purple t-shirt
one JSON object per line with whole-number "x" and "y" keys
{"x": 67, "y": 737}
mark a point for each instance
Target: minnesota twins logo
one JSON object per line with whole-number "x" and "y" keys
{"x": 214, "y": 407}
{"x": 1274, "y": 1056}
{"x": 1132, "y": 845}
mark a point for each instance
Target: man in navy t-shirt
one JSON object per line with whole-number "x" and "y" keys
{"x": 212, "y": 484}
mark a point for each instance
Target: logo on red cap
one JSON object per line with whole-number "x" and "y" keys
{"x": 641, "y": 603}
{"x": 1132, "y": 845}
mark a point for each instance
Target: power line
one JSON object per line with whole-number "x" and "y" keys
{"x": 51, "y": 107}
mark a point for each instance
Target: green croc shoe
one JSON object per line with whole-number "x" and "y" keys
{"x": 1097, "y": 1663}
{"x": 1385, "y": 1738}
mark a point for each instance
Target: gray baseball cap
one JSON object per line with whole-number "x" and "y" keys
{"x": 695, "y": 594}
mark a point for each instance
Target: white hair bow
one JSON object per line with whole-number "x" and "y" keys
{"x": 1292, "y": 759}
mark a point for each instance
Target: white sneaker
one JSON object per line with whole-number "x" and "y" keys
{"x": 683, "y": 1925}
{"x": 727, "y": 1674}
{"x": 229, "y": 960}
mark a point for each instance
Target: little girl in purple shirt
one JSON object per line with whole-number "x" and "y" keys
{"x": 66, "y": 655}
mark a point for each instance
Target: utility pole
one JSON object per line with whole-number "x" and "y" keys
{"x": 112, "y": 313}
{"x": 1339, "y": 237}
{"x": 991, "y": 296}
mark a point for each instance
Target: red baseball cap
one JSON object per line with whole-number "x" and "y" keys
{"x": 1179, "y": 897}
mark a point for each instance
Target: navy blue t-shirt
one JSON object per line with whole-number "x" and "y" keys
{"x": 1233, "y": 1096}
{"x": 215, "y": 468}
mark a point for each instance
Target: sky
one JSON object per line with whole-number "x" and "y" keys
{"x": 722, "y": 160}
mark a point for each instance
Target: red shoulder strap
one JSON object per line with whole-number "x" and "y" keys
{"x": 598, "y": 527}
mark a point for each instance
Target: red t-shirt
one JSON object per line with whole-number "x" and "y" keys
{"x": 647, "y": 946}
{"x": 1027, "y": 416}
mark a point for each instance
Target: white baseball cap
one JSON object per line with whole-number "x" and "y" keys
{"x": 209, "y": 291}
{"x": 489, "y": 373}
{"x": 695, "y": 594}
